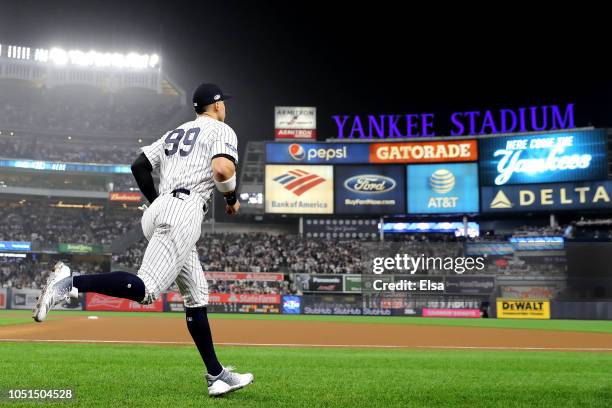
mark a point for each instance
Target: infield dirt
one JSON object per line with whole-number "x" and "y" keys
{"x": 300, "y": 333}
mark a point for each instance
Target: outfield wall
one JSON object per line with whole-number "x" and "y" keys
{"x": 335, "y": 304}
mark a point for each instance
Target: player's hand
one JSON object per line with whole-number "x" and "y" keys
{"x": 143, "y": 207}
{"x": 232, "y": 209}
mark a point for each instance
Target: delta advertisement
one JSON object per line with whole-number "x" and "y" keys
{"x": 548, "y": 158}
{"x": 299, "y": 189}
{"x": 557, "y": 196}
{"x": 364, "y": 153}
{"x": 442, "y": 188}
{"x": 370, "y": 190}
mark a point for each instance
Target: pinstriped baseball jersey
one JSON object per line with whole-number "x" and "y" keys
{"x": 173, "y": 222}
{"x": 184, "y": 155}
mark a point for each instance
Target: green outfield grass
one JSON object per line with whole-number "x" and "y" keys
{"x": 598, "y": 326}
{"x": 164, "y": 376}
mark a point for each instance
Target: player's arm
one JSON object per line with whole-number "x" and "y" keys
{"x": 224, "y": 159}
{"x": 142, "y": 168}
{"x": 143, "y": 173}
{"x": 224, "y": 176}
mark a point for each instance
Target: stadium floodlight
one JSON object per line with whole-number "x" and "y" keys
{"x": 153, "y": 60}
{"x": 58, "y": 56}
{"x": 41, "y": 55}
{"x": 93, "y": 58}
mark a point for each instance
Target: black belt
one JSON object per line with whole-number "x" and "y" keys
{"x": 175, "y": 193}
{"x": 178, "y": 191}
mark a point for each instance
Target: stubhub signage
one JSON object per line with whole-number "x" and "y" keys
{"x": 317, "y": 153}
{"x": 554, "y": 157}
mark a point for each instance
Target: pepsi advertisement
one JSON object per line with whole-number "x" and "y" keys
{"x": 317, "y": 153}
{"x": 370, "y": 190}
{"x": 546, "y": 158}
{"x": 445, "y": 188}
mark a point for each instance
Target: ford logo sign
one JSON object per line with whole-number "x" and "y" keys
{"x": 370, "y": 183}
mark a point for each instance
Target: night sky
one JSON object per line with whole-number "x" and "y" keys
{"x": 344, "y": 59}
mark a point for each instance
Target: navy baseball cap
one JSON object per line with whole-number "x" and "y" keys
{"x": 207, "y": 94}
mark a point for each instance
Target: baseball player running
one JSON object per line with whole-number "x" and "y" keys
{"x": 193, "y": 159}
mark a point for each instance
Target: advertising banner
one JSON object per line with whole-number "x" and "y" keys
{"x": 244, "y": 298}
{"x": 25, "y": 299}
{"x": 332, "y": 305}
{"x": 173, "y": 302}
{"x": 370, "y": 190}
{"x": 124, "y": 196}
{"x": 442, "y": 188}
{"x": 254, "y": 277}
{"x": 295, "y": 122}
{"x": 424, "y": 152}
{"x": 292, "y": 304}
{"x": 99, "y": 302}
{"x": 546, "y": 158}
{"x": 68, "y": 167}
{"x": 340, "y": 228}
{"x": 523, "y": 309}
{"x": 15, "y": 246}
{"x": 489, "y": 248}
{"x": 78, "y": 248}
{"x": 469, "y": 285}
{"x": 244, "y": 308}
{"x": 3, "y": 298}
{"x": 325, "y": 283}
{"x": 429, "y": 312}
{"x": 317, "y": 153}
{"x": 352, "y": 283}
{"x": 529, "y": 292}
{"x": 299, "y": 189}
{"x": 560, "y": 196}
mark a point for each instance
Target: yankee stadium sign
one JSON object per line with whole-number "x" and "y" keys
{"x": 487, "y": 122}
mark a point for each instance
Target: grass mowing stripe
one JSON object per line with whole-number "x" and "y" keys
{"x": 595, "y": 326}
{"x": 147, "y": 376}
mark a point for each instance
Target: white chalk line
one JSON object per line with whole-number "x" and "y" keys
{"x": 375, "y": 346}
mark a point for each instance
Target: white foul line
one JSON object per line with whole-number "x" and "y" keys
{"x": 153, "y": 342}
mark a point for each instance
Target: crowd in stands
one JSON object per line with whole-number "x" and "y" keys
{"x": 84, "y": 109}
{"x": 20, "y": 146}
{"x": 44, "y": 225}
{"x": 31, "y": 272}
{"x": 249, "y": 287}
{"x": 253, "y": 252}
{"x": 260, "y": 252}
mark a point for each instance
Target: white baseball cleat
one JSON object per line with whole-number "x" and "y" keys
{"x": 227, "y": 381}
{"x": 57, "y": 290}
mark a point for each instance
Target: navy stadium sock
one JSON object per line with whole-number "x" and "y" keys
{"x": 118, "y": 284}
{"x": 197, "y": 323}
